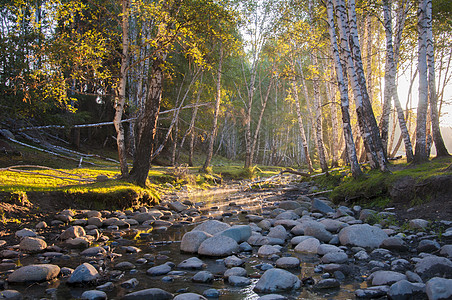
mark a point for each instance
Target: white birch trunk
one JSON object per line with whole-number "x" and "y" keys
{"x": 347, "y": 129}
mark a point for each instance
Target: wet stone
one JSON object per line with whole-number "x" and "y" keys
{"x": 235, "y": 271}
{"x": 84, "y": 273}
{"x": 192, "y": 263}
{"x": 130, "y": 284}
{"x": 94, "y": 295}
{"x": 238, "y": 280}
{"x": 11, "y": 295}
{"x": 203, "y": 277}
{"x": 329, "y": 283}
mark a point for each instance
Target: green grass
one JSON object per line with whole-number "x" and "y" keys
{"x": 374, "y": 185}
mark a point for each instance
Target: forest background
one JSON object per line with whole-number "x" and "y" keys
{"x": 307, "y": 84}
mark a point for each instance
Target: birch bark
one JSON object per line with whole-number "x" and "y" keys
{"x": 341, "y": 81}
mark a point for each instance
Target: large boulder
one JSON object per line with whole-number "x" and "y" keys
{"x": 192, "y": 240}
{"x": 218, "y": 246}
{"x": 34, "y": 273}
{"x": 434, "y": 266}
{"x": 404, "y": 289}
{"x": 277, "y": 280}
{"x": 239, "y": 233}
{"x": 362, "y": 235}
{"x": 320, "y": 206}
{"x": 212, "y": 226}
{"x": 439, "y": 288}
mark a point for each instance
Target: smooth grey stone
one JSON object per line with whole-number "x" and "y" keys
{"x": 400, "y": 265}
{"x": 192, "y": 240}
{"x": 238, "y": 280}
{"x": 329, "y": 283}
{"x": 278, "y": 232}
{"x": 218, "y": 246}
{"x": 94, "y": 295}
{"x": 10, "y": 295}
{"x": 289, "y": 205}
{"x": 428, "y": 246}
{"x": 124, "y": 266}
{"x": 159, "y": 270}
{"x": 275, "y": 280}
{"x": 245, "y": 247}
{"x": 334, "y": 257}
{"x": 73, "y": 232}
{"x": 298, "y": 239}
{"x": 268, "y": 250}
{"x": 177, "y": 206}
{"x": 418, "y": 224}
{"x": 439, "y": 288}
{"x": 372, "y": 292}
{"x": 212, "y": 226}
{"x": 240, "y": 233}
{"x": 32, "y": 244}
{"x": 264, "y": 224}
{"x": 404, "y": 289}
{"x": 25, "y": 232}
{"x": 333, "y": 225}
{"x": 287, "y": 215}
{"x": 362, "y": 255}
{"x": 320, "y": 206}
{"x": 317, "y": 230}
{"x": 106, "y": 287}
{"x": 434, "y": 266}
{"x": 211, "y": 293}
{"x": 34, "y": 273}
{"x": 308, "y": 246}
{"x": 94, "y": 251}
{"x": 362, "y": 235}
{"x": 153, "y": 293}
{"x": 446, "y": 250}
{"x": 272, "y": 297}
{"x": 233, "y": 261}
{"x": 203, "y": 276}
{"x": 288, "y": 263}
{"x": 189, "y": 296}
{"x": 192, "y": 263}
{"x": 386, "y": 277}
{"x": 395, "y": 243}
{"x": 235, "y": 271}
{"x": 326, "y": 248}
{"x": 83, "y": 274}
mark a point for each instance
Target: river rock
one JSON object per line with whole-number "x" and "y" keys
{"x": 372, "y": 292}
{"x": 211, "y": 293}
{"x": 233, "y": 261}
{"x": 239, "y": 233}
{"x": 288, "y": 263}
{"x": 124, "y": 266}
{"x": 79, "y": 242}
{"x": 278, "y": 232}
{"x": 404, "y": 289}
{"x": 177, "y": 206}
{"x": 94, "y": 251}
{"x": 192, "y": 263}
{"x": 394, "y": 243}
{"x": 329, "y": 283}
{"x": 327, "y": 248}
{"x": 320, "y": 206}
{"x": 96, "y": 221}
{"x": 92, "y": 213}
{"x": 428, "y": 246}
{"x": 272, "y": 297}
{"x": 189, "y": 296}
{"x": 297, "y": 230}
{"x": 265, "y": 224}
{"x": 439, "y": 288}
{"x": 84, "y": 273}
{"x": 192, "y": 240}
{"x": 41, "y": 225}
{"x": 362, "y": 235}
{"x": 235, "y": 271}
{"x": 268, "y": 250}
{"x": 34, "y": 273}
{"x": 32, "y": 244}
{"x": 11, "y": 295}
{"x": 73, "y": 232}
{"x": 203, "y": 277}
{"x": 276, "y": 280}
{"x": 418, "y": 224}
{"x": 317, "y": 230}
{"x": 94, "y": 295}
{"x": 238, "y": 280}
{"x": 446, "y": 250}
{"x": 289, "y": 205}
{"x": 129, "y": 284}
{"x": 25, "y": 233}
{"x": 309, "y": 245}
{"x": 431, "y": 266}
{"x": 333, "y": 225}
{"x": 212, "y": 227}
{"x": 218, "y": 246}
{"x": 153, "y": 293}
{"x": 334, "y": 257}
{"x": 287, "y": 215}
{"x": 386, "y": 277}
{"x": 160, "y": 270}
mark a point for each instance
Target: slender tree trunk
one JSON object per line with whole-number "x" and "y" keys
{"x": 331, "y": 92}
{"x": 259, "y": 120}
{"x": 121, "y": 91}
{"x": 213, "y": 134}
{"x": 369, "y": 116}
{"x": 248, "y": 161}
{"x": 421, "y": 130}
{"x": 347, "y": 129}
{"x": 433, "y": 98}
